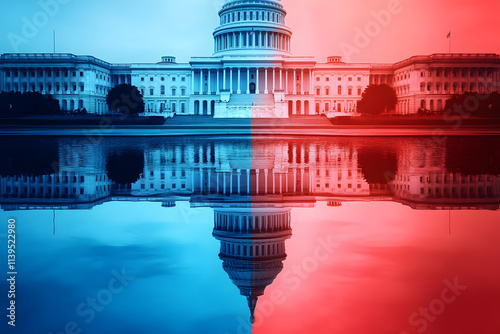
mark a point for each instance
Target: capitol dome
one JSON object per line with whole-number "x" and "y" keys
{"x": 252, "y": 27}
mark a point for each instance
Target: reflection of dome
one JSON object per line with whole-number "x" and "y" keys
{"x": 252, "y": 248}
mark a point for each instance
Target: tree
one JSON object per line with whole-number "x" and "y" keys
{"x": 27, "y": 104}
{"x": 125, "y": 167}
{"x": 474, "y": 104}
{"x": 125, "y": 99}
{"x": 377, "y": 99}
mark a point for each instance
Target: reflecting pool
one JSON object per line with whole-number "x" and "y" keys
{"x": 253, "y": 235}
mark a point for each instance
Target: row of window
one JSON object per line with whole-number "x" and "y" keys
{"x": 49, "y": 73}
{"x": 464, "y": 192}
{"x": 340, "y": 91}
{"x": 456, "y": 179}
{"x": 438, "y": 86}
{"x": 162, "y": 186}
{"x": 65, "y": 87}
{"x": 162, "y": 91}
{"x": 339, "y": 186}
{"x": 338, "y": 79}
{"x": 456, "y": 73}
{"x": 152, "y": 79}
{"x": 252, "y": 15}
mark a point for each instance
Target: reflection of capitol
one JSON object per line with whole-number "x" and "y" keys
{"x": 252, "y": 247}
{"x": 297, "y": 173}
{"x": 252, "y": 186}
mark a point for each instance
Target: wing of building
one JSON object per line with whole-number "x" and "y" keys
{"x": 252, "y": 73}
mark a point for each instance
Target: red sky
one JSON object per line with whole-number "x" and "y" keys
{"x": 420, "y": 27}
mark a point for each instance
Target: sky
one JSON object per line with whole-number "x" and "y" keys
{"x": 142, "y": 31}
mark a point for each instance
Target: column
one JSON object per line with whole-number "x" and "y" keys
{"x": 231, "y": 80}
{"x": 311, "y": 81}
{"x": 224, "y": 79}
{"x": 281, "y": 79}
{"x": 209, "y": 79}
{"x": 274, "y": 79}
{"x": 265, "y": 84}
{"x": 302, "y": 81}
{"x": 192, "y": 81}
{"x": 201, "y": 82}
{"x": 257, "y": 176}
{"x": 294, "y": 81}
{"x": 248, "y": 80}
{"x": 266, "y": 176}
{"x": 238, "y": 91}
{"x": 218, "y": 82}
{"x": 231, "y": 182}
{"x": 286, "y": 83}
{"x": 239, "y": 181}
{"x": 249, "y": 191}
{"x": 257, "y": 89}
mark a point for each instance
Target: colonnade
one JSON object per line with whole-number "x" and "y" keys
{"x": 252, "y": 80}
{"x": 252, "y": 39}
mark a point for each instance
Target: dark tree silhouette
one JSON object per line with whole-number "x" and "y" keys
{"x": 28, "y": 156}
{"x": 471, "y": 156}
{"x": 377, "y": 99}
{"x": 378, "y": 166}
{"x": 125, "y": 99}
{"x": 125, "y": 167}
{"x": 474, "y": 104}
{"x": 27, "y": 104}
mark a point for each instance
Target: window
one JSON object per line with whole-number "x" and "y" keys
{"x": 350, "y": 79}
{"x": 173, "y": 91}
{"x": 317, "y": 78}
{"x": 349, "y": 91}
{"x": 81, "y": 74}
{"x": 327, "y": 91}
{"x": 359, "y": 91}
{"x": 162, "y": 90}
{"x": 318, "y": 91}
{"x": 327, "y": 79}
{"x": 151, "y": 91}
{"x": 173, "y": 79}
{"x": 183, "y": 91}
{"x": 183, "y": 79}
{"x": 359, "y": 79}
{"x": 142, "y": 79}
{"x": 151, "y": 79}
{"x": 340, "y": 90}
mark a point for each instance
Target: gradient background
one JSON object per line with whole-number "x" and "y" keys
{"x": 143, "y": 31}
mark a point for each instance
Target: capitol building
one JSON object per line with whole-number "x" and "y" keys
{"x": 252, "y": 73}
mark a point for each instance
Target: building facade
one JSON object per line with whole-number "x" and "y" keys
{"x": 252, "y": 73}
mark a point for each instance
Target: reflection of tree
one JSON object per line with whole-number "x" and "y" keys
{"x": 379, "y": 166}
{"x": 125, "y": 167}
{"x": 28, "y": 157}
{"x": 473, "y": 155}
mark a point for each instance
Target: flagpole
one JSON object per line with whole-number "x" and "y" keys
{"x": 54, "y": 41}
